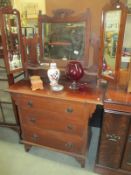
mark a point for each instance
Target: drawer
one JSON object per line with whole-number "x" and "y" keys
{"x": 113, "y": 137}
{"x": 117, "y": 107}
{"x": 66, "y": 108}
{"x": 52, "y": 121}
{"x": 55, "y": 140}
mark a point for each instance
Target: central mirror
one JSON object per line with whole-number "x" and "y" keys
{"x": 64, "y": 37}
{"x": 64, "y": 41}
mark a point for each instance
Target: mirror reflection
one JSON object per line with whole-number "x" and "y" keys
{"x": 126, "y": 50}
{"x": 13, "y": 41}
{"x": 111, "y": 32}
{"x": 64, "y": 41}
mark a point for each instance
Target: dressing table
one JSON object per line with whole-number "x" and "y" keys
{"x": 59, "y": 120}
{"x": 54, "y": 120}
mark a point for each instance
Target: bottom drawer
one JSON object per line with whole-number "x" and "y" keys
{"x": 55, "y": 140}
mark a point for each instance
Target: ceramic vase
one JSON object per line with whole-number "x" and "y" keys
{"x": 53, "y": 74}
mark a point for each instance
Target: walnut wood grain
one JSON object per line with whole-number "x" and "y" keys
{"x": 113, "y": 138}
{"x": 126, "y": 163}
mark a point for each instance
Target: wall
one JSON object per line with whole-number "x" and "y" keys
{"x": 20, "y": 3}
{"x": 79, "y": 6}
{"x": 29, "y": 10}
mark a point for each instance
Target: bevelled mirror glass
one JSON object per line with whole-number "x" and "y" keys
{"x": 64, "y": 41}
{"x": 12, "y": 32}
{"x": 11, "y": 39}
{"x": 112, "y": 33}
{"x": 64, "y": 36}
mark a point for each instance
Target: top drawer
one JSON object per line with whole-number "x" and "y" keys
{"x": 55, "y": 105}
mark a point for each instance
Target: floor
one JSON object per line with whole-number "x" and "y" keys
{"x": 15, "y": 161}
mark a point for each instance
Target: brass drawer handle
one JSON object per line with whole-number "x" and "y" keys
{"x": 32, "y": 119}
{"x": 70, "y": 127}
{"x": 30, "y": 104}
{"x": 69, "y": 145}
{"x": 69, "y": 110}
{"x": 35, "y": 137}
{"x": 113, "y": 137}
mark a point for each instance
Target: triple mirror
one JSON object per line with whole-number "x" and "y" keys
{"x": 112, "y": 33}
{"x": 11, "y": 39}
{"x": 64, "y": 37}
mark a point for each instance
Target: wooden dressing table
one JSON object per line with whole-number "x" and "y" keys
{"x": 59, "y": 120}
{"x": 56, "y": 120}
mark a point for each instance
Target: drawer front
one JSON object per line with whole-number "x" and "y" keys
{"x": 118, "y": 107}
{"x": 52, "y": 121}
{"x": 51, "y": 139}
{"x": 66, "y": 108}
{"x": 113, "y": 138}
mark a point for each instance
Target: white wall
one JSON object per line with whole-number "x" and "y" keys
{"x": 20, "y": 3}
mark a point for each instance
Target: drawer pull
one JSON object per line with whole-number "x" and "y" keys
{"x": 69, "y": 110}
{"x": 35, "y": 137}
{"x": 32, "y": 119}
{"x": 70, "y": 127}
{"x": 113, "y": 137}
{"x": 30, "y": 104}
{"x": 129, "y": 138}
{"x": 69, "y": 145}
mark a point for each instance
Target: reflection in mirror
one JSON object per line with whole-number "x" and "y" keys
{"x": 65, "y": 37}
{"x": 125, "y": 71}
{"x": 13, "y": 41}
{"x": 126, "y": 50}
{"x": 111, "y": 32}
{"x": 64, "y": 41}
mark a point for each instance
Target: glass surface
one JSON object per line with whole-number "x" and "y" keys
{"x": 1, "y": 47}
{"x": 1, "y": 117}
{"x": 129, "y": 156}
{"x": 13, "y": 41}
{"x": 126, "y": 50}
{"x": 8, "y": 113}
{"x": 64, "y": 41}
{"x": 111, "y": 32}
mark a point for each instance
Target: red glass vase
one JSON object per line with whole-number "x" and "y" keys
{"x": 74, "y": 71}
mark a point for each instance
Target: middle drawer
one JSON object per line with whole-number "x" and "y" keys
{"x": 52, "y": 121}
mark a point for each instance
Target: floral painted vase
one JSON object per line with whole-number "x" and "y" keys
{"x": 53, "y": 74}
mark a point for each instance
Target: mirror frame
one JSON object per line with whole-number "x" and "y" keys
{"x": 63, "y": 16}
{"x": 113, "y": 5}
{"x": 3, "y": 11}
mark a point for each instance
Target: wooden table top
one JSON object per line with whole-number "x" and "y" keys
{"x": 90, "y": 94}
{"x": 118, "y": 96}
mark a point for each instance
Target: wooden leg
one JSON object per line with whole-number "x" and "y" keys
{"x": 81, "y": 161}
{"x": 27, "y": 147}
